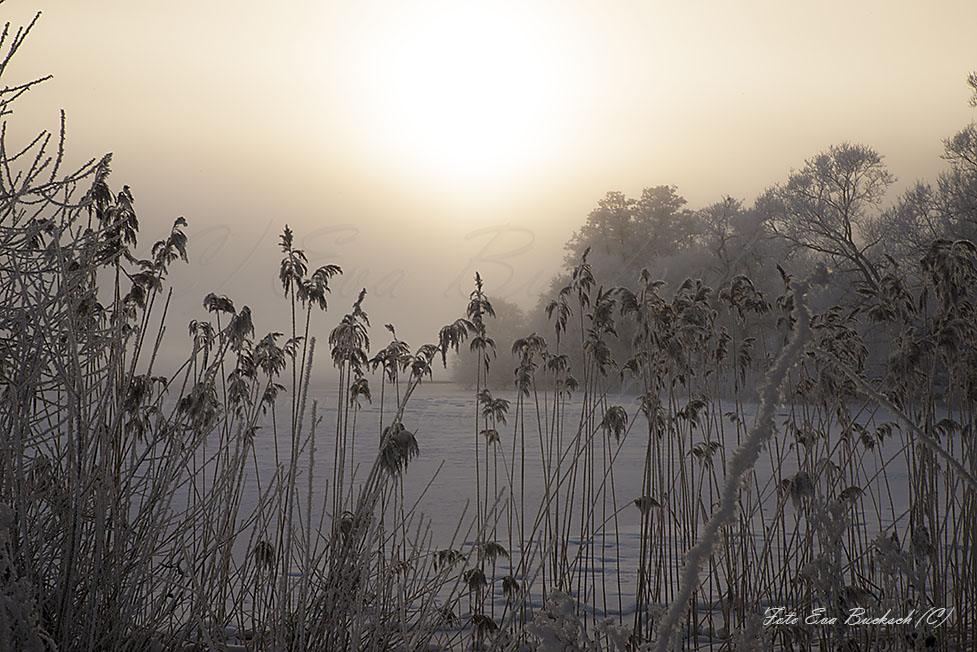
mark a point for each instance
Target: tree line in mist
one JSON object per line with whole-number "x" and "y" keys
{"x": 835, "y": 210}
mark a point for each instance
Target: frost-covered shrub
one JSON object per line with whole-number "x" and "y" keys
{"x": 20, "y": 627}
{"x": 558, "y": 628}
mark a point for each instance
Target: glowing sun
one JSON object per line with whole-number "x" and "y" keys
{"x": 466, "y": 94}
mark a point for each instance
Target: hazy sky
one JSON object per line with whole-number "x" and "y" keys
{"x": 411, "y": 142}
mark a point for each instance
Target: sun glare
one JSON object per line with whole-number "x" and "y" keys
{"x": 465, "y": 95}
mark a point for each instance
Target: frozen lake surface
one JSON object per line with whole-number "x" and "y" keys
{"x": 441, "y": 479}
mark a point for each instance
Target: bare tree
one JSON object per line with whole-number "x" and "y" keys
{"x": 957, "y": 187}
{"x": 827, "y": 207}
{"x": 948, "y": 210}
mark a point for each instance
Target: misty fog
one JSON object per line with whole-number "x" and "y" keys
{"x": 248, "y": 118}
